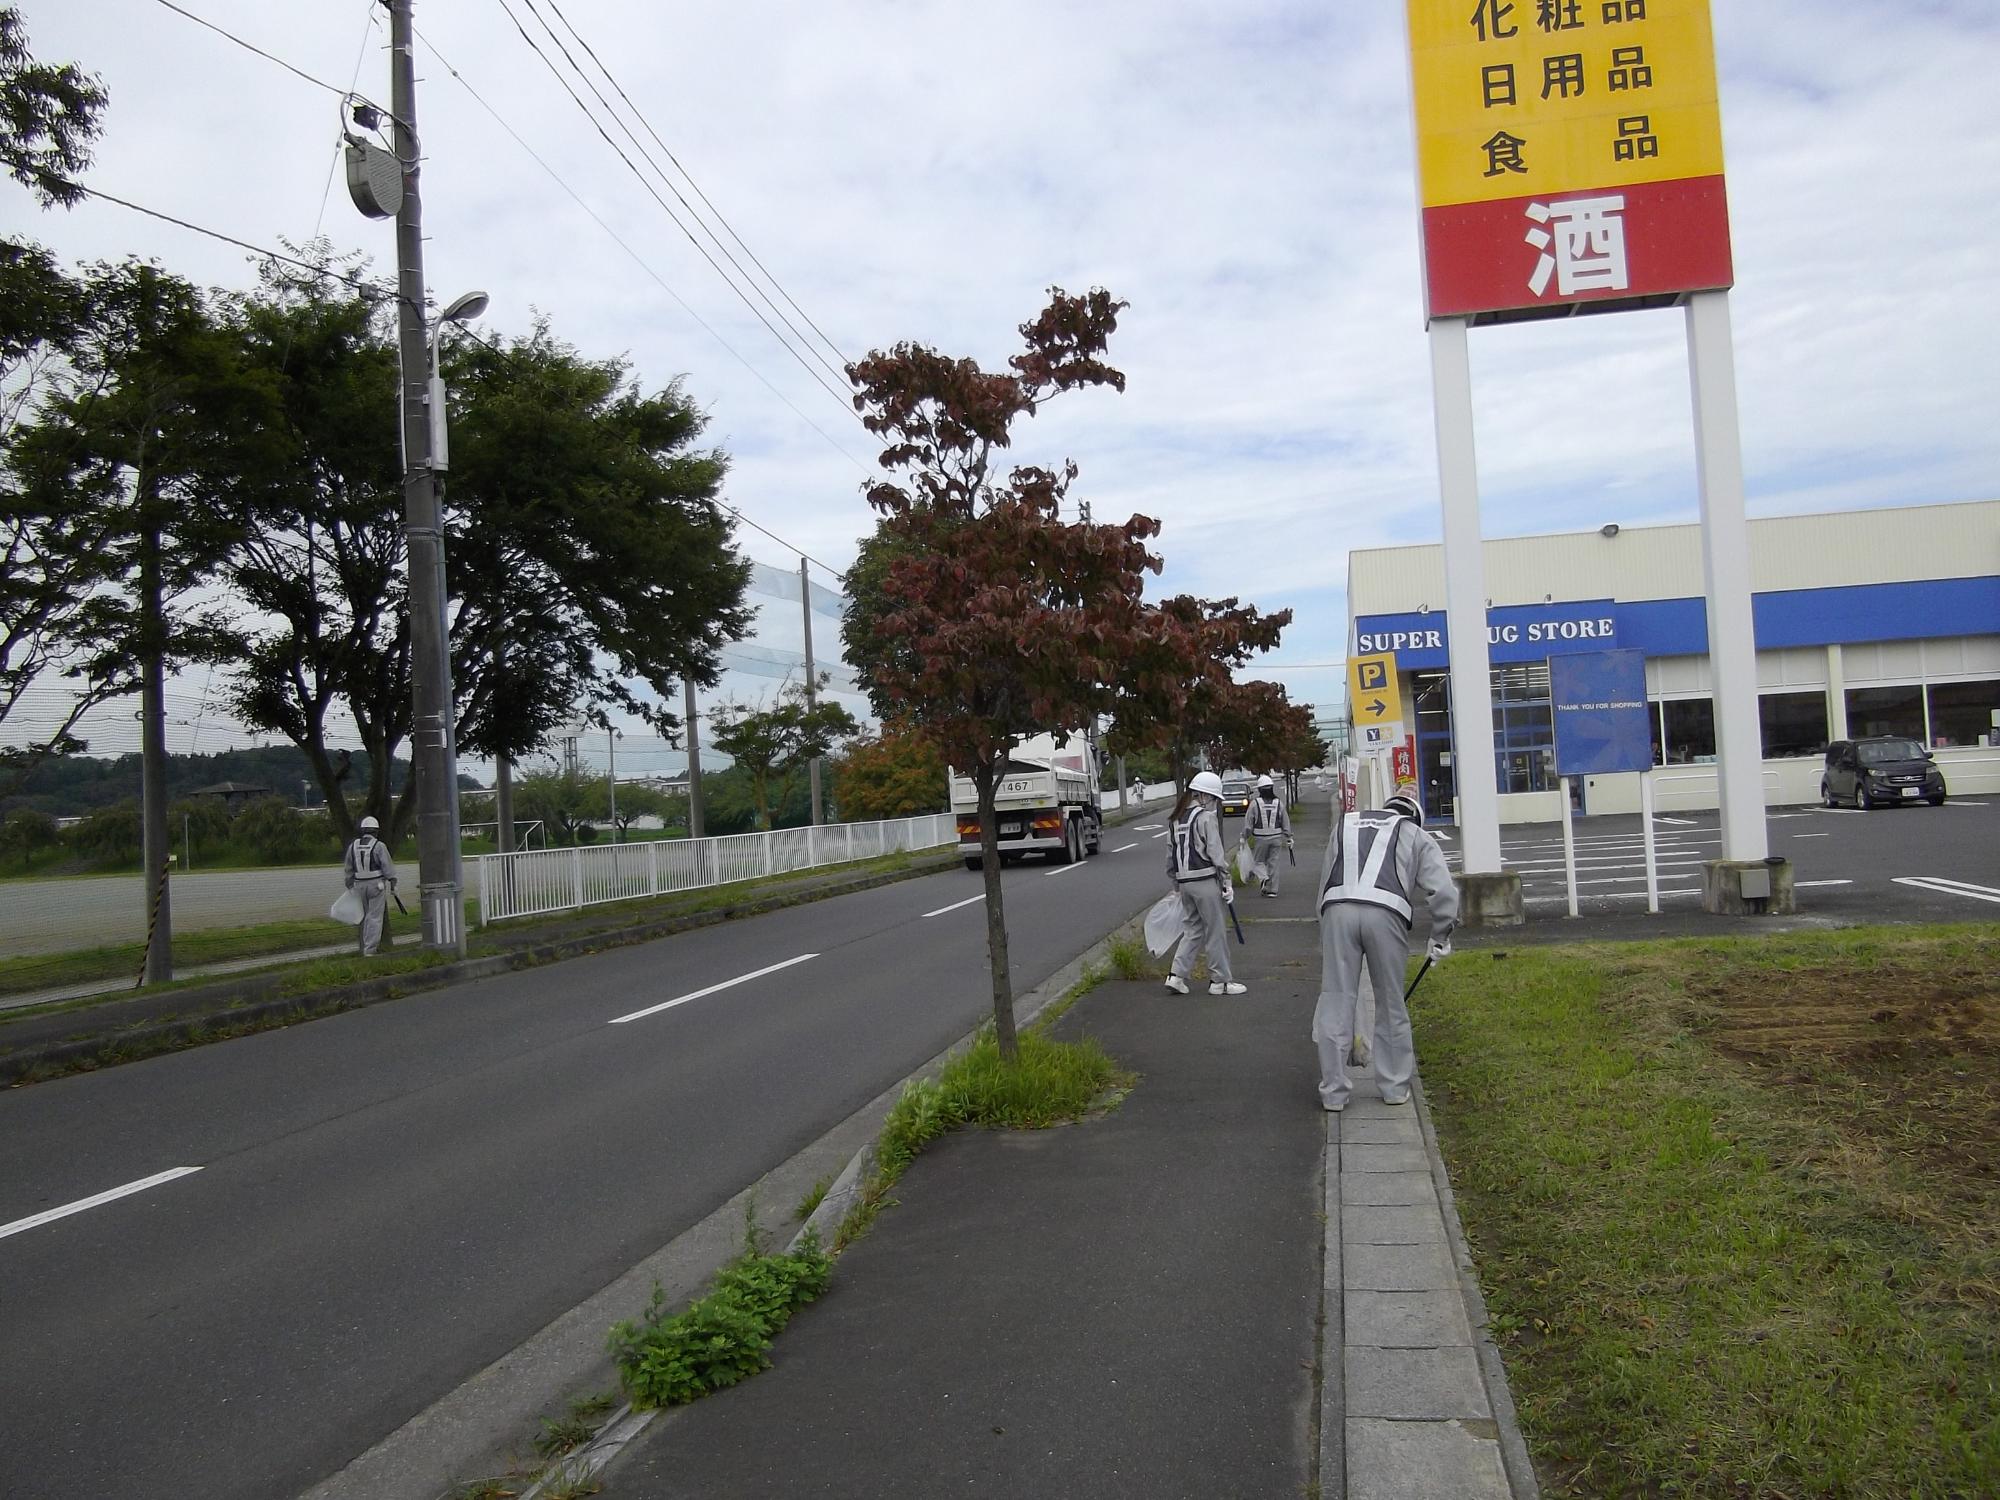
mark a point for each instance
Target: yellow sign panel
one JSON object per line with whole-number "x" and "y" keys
{"x": 1373, "y": 693}
{"x": 1528, "y": 98}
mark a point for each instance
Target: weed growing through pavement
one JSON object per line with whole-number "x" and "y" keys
{"x": 577, "y": 1426}
{"x": 815, "y": 1196}
{"x": 722, "y": 1338}
{"x": 1129, "y": 959}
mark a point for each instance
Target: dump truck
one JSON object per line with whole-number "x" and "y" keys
{"x": 1046, "y": 803}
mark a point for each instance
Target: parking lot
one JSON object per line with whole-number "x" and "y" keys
{"x": 1897, "y": 864}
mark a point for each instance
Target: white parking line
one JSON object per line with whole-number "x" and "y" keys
{"x": 1944, "y": 887}
{"x": 955, "y": 905}
{"x": 1965, "y": 804}
{"x": 1802, "y": 884}
{"x": 1665, "y": 890}
{"x": 654, "y": 1010}
{"x": 1678, "y": 822}
{"x": 50, "y": 1215}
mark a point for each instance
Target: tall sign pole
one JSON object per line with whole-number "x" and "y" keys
{"x": 812, "y": 685}
{"x": 430, "y": 660}
{"x": 1569, "y": 159}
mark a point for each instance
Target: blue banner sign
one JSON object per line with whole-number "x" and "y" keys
{"x": 1603, "y": 723}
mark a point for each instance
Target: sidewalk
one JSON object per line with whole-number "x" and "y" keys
{"x": 1217, "y": 1289}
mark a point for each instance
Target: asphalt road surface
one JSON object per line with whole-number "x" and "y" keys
{"x": 383, "y": 1202}
{"x": 1895, "y": 864}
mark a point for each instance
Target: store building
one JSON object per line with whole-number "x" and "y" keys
{"x": 1867, "y": 622}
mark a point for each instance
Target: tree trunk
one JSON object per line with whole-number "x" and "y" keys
{"x": 503, "y": 803}
{"x": 153, "y": 763}
{"x": 986, "y": 779}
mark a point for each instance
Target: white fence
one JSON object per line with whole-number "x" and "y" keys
{"x": 530, "y": 882}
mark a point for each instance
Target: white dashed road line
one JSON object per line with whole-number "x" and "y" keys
{"x": 110, "y": 1195}
{"x": 955, "y": 905}
{"x": 1121, "y": 848}
{"x": 1802, "y": 884}
{"x": 1812, "y": 835}
{"x": 1064, "y": 869}
{"x": 1161, "y": 835}
{"x": 654, "y": 1010}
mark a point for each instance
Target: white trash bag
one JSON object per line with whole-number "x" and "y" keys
{"x": 1165, "y": 923}
{"x": 350, "y": 908}
{"x": 1247, "y": 868}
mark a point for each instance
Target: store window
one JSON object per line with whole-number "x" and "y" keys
{"x": 1886, "y": 710}
{"x": 1524, "y": 752}
{"x": 1793, "y": 724}
{"x": 1690, "y": 730}
{"x": 1962, "y": 712}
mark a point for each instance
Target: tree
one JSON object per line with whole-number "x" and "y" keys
{"x": 586, "y": 547}
{"x": 1257, "y": 725}
{"x": 774, "y": 744}
{"x": 27, "y": 833}
{"x": 48, "y": 117}
{"x": 1178, "y": 693}
{"x": 1006, "y": 620}
{"x": 892, "y": 775}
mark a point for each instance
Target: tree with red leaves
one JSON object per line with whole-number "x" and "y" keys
{"x": 1259, "y": 726}
{"x": 1180, "y": 694}
{"x": 987, "y": 618}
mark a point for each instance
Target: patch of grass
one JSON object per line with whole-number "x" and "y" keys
{"x": 814, "y": 1197}
{"x": 577, "y": 1426}
{"x": 504, "y": 1487}
{"x": 1732, "y": 1206}
{"x": 1129, "y": 958}
{"x": 1050, "y": 1083}
{"x": 723, "y": 1338}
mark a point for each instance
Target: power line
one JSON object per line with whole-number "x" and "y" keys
{"x": 637, "y": 259}
{"x": 689, "y": 176}
{"x": 842, "y": 399}
{"x": 250, "y": 47}
{"x": 357, "y": 282}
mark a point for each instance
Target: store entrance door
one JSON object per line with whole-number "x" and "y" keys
{"x": 1435, "y": 777}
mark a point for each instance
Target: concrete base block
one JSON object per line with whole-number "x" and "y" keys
{"x": 1490, "y": 900}
{"x": 1748, "y": 887}
{"x": 1389, "y": 1460}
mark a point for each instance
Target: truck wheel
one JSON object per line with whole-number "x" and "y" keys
{"x": 975, "y": 864}
{"x": 1094, "y": 844}
{"x": 1072, "y": 849}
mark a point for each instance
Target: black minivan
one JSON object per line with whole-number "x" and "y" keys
{"x": 1879, "y": 771}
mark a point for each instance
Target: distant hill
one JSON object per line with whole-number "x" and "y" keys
{"x": 72, "y": 785}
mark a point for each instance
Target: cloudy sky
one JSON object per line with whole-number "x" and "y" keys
{"x": 1241, "y": 173}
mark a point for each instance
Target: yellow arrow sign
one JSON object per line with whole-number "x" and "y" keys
{"x": 1373, "y": 693}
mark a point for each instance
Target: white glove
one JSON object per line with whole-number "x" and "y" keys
{"x": 1228, "y": 893}
{"x": 1440, "y": 949}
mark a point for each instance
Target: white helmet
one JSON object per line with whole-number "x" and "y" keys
{"x": 369, "y": 825}
{"x": 1263, "y": 781}
{"x": 1407, "y": 805}
{"x": 1207, "y": 783}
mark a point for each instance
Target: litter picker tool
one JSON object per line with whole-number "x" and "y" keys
{"x": 397, "y": 897}
{"x": 1418, "y": 980}
{"x": 1233, "y": 921}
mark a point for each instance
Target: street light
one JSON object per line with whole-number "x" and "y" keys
{"x": 459, "y": 310}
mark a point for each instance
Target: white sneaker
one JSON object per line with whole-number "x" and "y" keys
{"x": 1177, "y": 984}
{"x": 1227, "y": 987}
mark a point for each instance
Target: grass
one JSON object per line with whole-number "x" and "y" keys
{"x": 1050, "y": 1083}
{"x": 814, "y": 1197}
{"x": 575, "y": 1427}
{"x": 1732, "y": 1206}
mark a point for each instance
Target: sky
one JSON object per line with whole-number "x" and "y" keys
{"x": 1242, "y": 174}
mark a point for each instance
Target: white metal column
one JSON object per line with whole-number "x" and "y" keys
{"x": 1465, "y": 600}
{"x": 1836, "y": 694}
{"x": 1725, "y": 561}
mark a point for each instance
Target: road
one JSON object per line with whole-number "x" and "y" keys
{"x": 387, "y": 1200}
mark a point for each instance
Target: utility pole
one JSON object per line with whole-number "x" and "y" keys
{"x": 611, "y": 739}
{"x": 430, "y": 736}
{"x": 812, "y": 683}
{"x": 693, "y": 717}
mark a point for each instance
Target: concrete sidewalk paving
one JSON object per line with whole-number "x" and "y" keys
{"x": 1216, "y": 1289}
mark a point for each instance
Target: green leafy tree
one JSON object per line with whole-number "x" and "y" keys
{"x": 48, "y": 117}
{"x": 110, "y": 835}
{"x": 891, "y": 775}
{"x": 27, "y": 833}
{"x": 774, "y": 744}
{"x": 277, "y": 833}
{"x": 1005, "y": 621}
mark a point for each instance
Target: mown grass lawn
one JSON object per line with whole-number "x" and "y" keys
{"x": 1735, "y": 1205}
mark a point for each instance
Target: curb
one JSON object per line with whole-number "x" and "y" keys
{"x": 1493, "y": 1372}
{"x": 626, "y": 1424}
{"x": 226, "y": 1006}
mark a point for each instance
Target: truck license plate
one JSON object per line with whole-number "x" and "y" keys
{"x": 1010, "y": 825}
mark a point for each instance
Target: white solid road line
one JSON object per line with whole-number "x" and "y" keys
{"x": 1945, "y": 887}
{"x": 1064, "y": 869}
{"x": 1122, "y": 848}
{"x": 94, "y": 1200}
{"x": 1964, "y": 804}
{"x": 654, "y": 1010}
{"x": 1678, "y": 822}
{"x": 1811, "y": 836}
{"x": 1802, "y": 884}
{"x": 955, "y": 905}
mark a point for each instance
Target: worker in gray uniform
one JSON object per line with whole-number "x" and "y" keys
{"x": 1198, "y": 866}
{"x": 370, "y": 870}
{"x": 1268, "y": 827}
{"x": 1376, "y": 863}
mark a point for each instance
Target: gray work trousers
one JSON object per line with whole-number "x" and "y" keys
{"x": 1268, "y": 849}
{"x": 375, "y": 908}
{"x": 1349, "y": 932}
{"x": 1207, "y": 930}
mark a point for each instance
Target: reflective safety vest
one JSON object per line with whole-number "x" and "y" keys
{"x": 1191, "y": 861}
{"x": 1265, "y": 816}
{"x": 1364, "y": 862}
{"x": 364, "y": 858}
